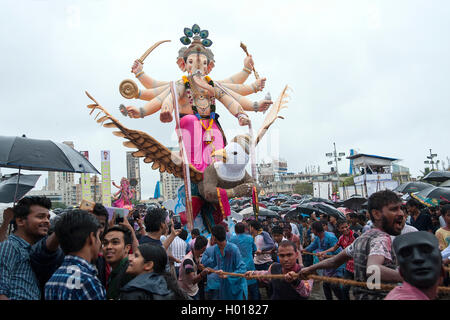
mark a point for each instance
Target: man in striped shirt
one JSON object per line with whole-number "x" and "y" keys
{"x": 18, "y": 281}
{"x": 78, "y": 233}
{"x": 178, "y": 249}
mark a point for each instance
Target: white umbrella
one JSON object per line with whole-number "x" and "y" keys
{"x": 247, "y": 212}
{"x": 236, "y": 216}
{"x": 445, "y": 184}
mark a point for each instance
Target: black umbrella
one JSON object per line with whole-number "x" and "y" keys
{"x": 438, "y": 193}
{"x": 42, "y": 155}
{"x": 327, "y": 201}
{"x": 412, "y": 186}
{"x": 294, "y": 213}
{"x": 329, "y": 210}
{"x": 274, "y": 208}
{"x": 307, "y": 208}
{"x": 439, "y": 176}
{"x": 263, "y": 212}
{"x": 12, "y": 189}
{"x": 355, "y": 202}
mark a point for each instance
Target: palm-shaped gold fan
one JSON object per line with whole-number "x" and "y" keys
{"x": 148, "y": 147}
{"x": 281, "y": 103}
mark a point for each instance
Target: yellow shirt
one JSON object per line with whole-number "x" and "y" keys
{"x": 443, "y": 237}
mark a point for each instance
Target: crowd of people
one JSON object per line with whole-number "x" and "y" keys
{"x": 84, "y": 255}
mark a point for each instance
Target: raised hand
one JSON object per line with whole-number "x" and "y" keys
{"x": 136, "y": 67}
{"x": 112, "y": 222}
{"x": 264, "y": 105}
{"x": 244, "y": 120}
{"x": 8, "y": 215}
{"x": 260, "y": 84}
{"x": 126, "y": 224}
{"x": 248, "y": 62}
{"x": 166, "y": 114}
{"x": 133, "y": 112}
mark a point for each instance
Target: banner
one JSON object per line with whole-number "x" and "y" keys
{"x": 106, "y": 178}
{"x": 86, "y": 181}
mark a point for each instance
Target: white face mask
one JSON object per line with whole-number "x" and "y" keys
{"x": 234, "y": 168}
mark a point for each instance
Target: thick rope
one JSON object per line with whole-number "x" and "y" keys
{"x": 382, "y": 286}
{"x": 305, "y": 252}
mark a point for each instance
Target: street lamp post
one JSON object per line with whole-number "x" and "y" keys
{"x": 431, "y": 157}
{"x": 337, "y": 158}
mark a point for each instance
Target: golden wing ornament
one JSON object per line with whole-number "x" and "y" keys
{"x": 147, "y": 147}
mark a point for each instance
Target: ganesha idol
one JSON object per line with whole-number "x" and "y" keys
{"x": 122, "y": 198}
{"x": 213, "y": 170}
{"x": 197, "y": 94}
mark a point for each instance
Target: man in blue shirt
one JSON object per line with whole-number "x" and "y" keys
{"x": 325, "y": 240}
{"x": 78, "y": 233}
{"x": 212, "y": 284}
{"x": 29, "y": 243}
{"x": 227, "y": 258}
{"x": 247, "y": 247}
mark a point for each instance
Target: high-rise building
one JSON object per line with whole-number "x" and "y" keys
{"x": 169, "y": 183}
{"x": 51, "y": 182}
{"x": 96, "y": 190}
{"x": 134, "y": 173}
{"x": 63, "y": 183}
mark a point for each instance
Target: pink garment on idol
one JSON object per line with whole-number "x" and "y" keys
{"x": 198, "y": 151}
{"x": 406, "y": 292}
{"x": 119, "y": 203}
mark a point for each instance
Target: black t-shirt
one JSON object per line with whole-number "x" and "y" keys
{"x": 357, "y": 229}
{"x": 147, "y": 239}
{"x": 423, "y": 221}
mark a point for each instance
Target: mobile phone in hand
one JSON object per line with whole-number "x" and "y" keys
{"x": 176, "y": 222}
{"x": 120, "y": 214}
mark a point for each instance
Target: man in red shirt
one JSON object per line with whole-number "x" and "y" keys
{"x": 344, "y": 241}
{"x": 287, "y": 230}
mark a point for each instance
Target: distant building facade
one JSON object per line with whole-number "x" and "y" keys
{"x": 169, "y": 184}
{"x": 134, "y": 172}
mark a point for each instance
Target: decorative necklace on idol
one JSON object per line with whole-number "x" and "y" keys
{"x": 208, "y": 138}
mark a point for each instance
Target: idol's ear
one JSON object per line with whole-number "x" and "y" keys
{"x": 181, "y": 64}
{"x": 210, "y": 66}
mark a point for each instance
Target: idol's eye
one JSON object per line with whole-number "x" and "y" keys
{"x": 406, "y": 252}
{"x": 425, "y": 248}
{"x": 235, "y": 153}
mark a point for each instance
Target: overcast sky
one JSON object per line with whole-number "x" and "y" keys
{"x": 368, "y": 75}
